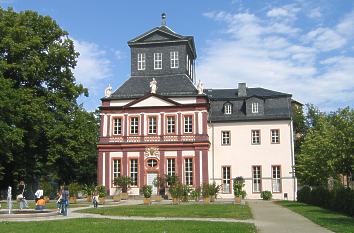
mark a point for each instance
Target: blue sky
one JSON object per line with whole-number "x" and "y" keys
{"x": 305, "y": 48}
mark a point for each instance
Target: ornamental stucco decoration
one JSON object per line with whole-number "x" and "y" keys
{"x": 152, "y": 152}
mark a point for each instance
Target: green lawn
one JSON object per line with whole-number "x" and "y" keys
{"x": 107, "y": 225}
{"x": 192, "y": 210}
{"x": 50, "y": 205}
{"x": 328, "y": 219}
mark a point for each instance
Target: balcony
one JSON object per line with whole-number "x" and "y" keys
{"x": 156, "y": 138}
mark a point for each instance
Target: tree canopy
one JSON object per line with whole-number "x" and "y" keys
{"x": 44, "y": 133}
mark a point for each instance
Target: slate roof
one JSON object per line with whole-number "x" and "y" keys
{"x": 138, "y": 86}
{"x": 275, "y": 105}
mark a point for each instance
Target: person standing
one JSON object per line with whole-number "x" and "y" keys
{"x": 38, "y": 194}
{"x": 59, "y": 199}
{"x": 65, "y": 201}
{"x": 21, "y": 198}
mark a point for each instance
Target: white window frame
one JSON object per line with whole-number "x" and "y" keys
{"x": 174, "y": 59}
{"x": 276, "y": 179}
{"x": 157, "y": 61}
{"x": 188, "y": 171}
{"x": 256, "y": 137}
{"x": 255, "y": 107}
{"x": 226, "y": 179}
{"x": 256, "y": 179}
{"x": 187, "y": 61}
{"x": 171, "y": 124}
{"x": 228, "y": 109}
{"x": 225, "y": 138}
{"x": 171, "y": 166}
{"x": 275, "y": 136}
{"x": 134, "y": 125}
{"x": 141, "y": 61}
{"x": 117, "y": 126}
{"x": 116, "y": 168}
{"x": 134, "y": 166}
{"x": 152, "y": 121}
{"x": 188, "y": 124}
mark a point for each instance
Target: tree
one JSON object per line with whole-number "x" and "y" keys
{"x": 43, "y": 131}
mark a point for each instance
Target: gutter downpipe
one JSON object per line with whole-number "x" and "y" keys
{"x": 292, "y": 154}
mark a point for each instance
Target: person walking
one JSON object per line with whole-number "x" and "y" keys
{"x": 95, "y": 197}
{"x": 21, "y": 198}
{"x": 65, "y": 201}
{"x": 59, "y": 200}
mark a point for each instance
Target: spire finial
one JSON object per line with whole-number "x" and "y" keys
{"x": 163, "y": 19}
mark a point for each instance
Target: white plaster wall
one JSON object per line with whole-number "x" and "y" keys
{"x": 241, "y": 155}
{"x": 104, "y": 125}
{"x": 188, "y": 153}
{"x": 133, "y": 154}
{"x": 186, "y": 100}
{"x": 152, "y": 101}
{"x": 119, "y": 102}
{"x": 170, "y": 153}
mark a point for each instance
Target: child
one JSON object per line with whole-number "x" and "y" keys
{"x": 95, "y": 197}
{"x": 40, "y": 204}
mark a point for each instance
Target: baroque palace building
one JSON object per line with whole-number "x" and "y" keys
{"x": 160, "y": 122}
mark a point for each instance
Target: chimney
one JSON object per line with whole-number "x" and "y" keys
{"x": 242, "y": 92}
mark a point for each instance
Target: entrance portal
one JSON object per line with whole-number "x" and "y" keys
{"x": 150, "y": 181}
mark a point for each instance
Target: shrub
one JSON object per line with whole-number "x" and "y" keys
{"x": 87, "y": 190}
{"x": 266, "y": 195}
{"x": 238, "y": 185}
{"x": 176, "y": 190}
{"x": 102, "y": 192}
{"x": 74, "y": 189}
{"x": 205, "y": 190}
{"x": 123, "y": 182}
{"x": 47, "y": 188}
{"x": 320, "y": 197}
{"x": 304, "y": 194}
{"x": 185, "y": 192}
{"x": 147, "y": 191}
{"x": 214, "y": 189}
{"x": 195, "y": 194}
{"x": 172, "y": 179}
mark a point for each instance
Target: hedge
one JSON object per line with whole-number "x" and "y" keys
{"x": 341, "y": 199}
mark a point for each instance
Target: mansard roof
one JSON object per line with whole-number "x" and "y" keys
{"x": 276, "y": 105}
{"x": 139, "y": 86}
{"x": 163, "y": 34}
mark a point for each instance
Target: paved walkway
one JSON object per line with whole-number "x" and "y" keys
{"x": 272, "y": 218}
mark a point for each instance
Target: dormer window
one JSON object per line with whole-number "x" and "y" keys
{"x": 141, "y": 61}
{"x": 157, "y": 61}
{"x": 174, "y": 59}
{"x": 254, "y": 107}
{"x": 227, "y": 109}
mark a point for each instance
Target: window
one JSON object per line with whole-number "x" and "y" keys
{"x": 152, "y": 163}
{"x": 188, "y": 124}
{"x": 226, "y": 179}
{"x": 228, "y": 109}
{"x": 157, "y": 61}
{"x": 254, "y": 107}
{"x": 152, "y": 125}
{"x": 256, "y": 137}
{"x": 141, "y": 61}
{"x": 170, "y": 124}
{"x": 117, "y": 126}
{"x": 187, "y": 62}
{"x": 171, "y": 167}
{"x": 276, "y": 182}
{"x": 188, "y": 164}
{"x": 174, "y": 59}
{"x": 116, "y": 168}
{"x": 275, "y": 134}
{"x": 256, "y": 177}
{"x": 225, "y": 137}
{"x": 134, "y": 125}
{"x": 134, "y": 171}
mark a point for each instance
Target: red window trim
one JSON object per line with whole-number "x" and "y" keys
{"x": 122, "y": 126}
{"x": 166, "y": 124}
{"x": 112, "y": 169}
{"x": 139, "y": 125}
{"x": 183, "y": 123}
{"x": 184, "y": 169}
{"x": 129, "y": 171}
{"x": 157, "y": 124}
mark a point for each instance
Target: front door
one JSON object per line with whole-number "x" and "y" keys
{"x": 150, "y": 181}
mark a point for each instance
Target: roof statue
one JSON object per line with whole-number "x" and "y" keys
{"x": 108, "y": 91}
{"x": 200, "y": 87}
{"x": 153, "y": 86}
{"x": 163, "y": 19}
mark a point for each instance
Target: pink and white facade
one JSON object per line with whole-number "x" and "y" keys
{"x": 159, "y": 122}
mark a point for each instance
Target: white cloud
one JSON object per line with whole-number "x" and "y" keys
{"x": 257, "y": 52}
{"x": 93, "y": 67}
{"x": 315, "y": 13}
{"x": 287, "y": 12}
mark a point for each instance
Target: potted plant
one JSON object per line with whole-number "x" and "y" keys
{"x": 87, "y": 190}
{"x": 238, "y": 185}
{"x": 266, "y": 195}
{"x": 206, "y": 193}
{"x": 185, "y": 192}
{"x": 123, "y": 182}
{"x": 74, "y": 189}
{"x": 147, "y": 191}
{"x": 195, "y": 194}
{"x": 213, "y": 191}
{"x": 102, "y": 192}
{"x": 160, "y": 183}
{"x": 171, "y": 180}
{"x": 176, "y": 192}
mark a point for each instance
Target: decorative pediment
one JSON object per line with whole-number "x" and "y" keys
{"x": 152, "y": 100}
{"x": 157, "y": 34}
